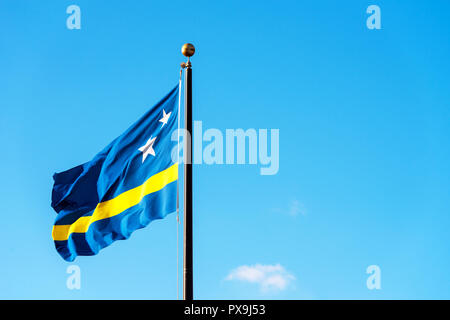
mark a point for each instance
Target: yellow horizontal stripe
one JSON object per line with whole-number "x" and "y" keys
{"x": 113, "y": 207}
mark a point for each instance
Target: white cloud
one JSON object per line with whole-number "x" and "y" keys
{"x": 268, "y": 277}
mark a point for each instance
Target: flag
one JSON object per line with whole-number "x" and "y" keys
{"x": 123, "y": 188}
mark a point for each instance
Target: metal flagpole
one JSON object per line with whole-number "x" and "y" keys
{"x": 188, "y": 50}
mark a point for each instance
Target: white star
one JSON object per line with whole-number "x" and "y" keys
{"x": 165, "y": 117}
{"x": 148, "y": 149}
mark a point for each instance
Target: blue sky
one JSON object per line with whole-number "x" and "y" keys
{"x": 364, "y": 133}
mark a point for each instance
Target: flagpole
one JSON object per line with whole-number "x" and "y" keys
{"x": 188, "y": 50}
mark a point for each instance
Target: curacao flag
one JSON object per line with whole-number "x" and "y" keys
{"x": 123, "y": 188}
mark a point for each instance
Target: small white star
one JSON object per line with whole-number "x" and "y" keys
{"x": 148, "y": 149}
{"x": 165, "y": 117}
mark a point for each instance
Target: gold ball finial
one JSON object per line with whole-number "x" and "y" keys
{"x": 188, "y": 50}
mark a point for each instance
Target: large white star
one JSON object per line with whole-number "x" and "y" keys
{"x": 165, "y": 117}
{"x": 148, "y": 149}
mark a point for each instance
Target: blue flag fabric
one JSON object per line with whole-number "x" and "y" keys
{"x": 123, "y": 188}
